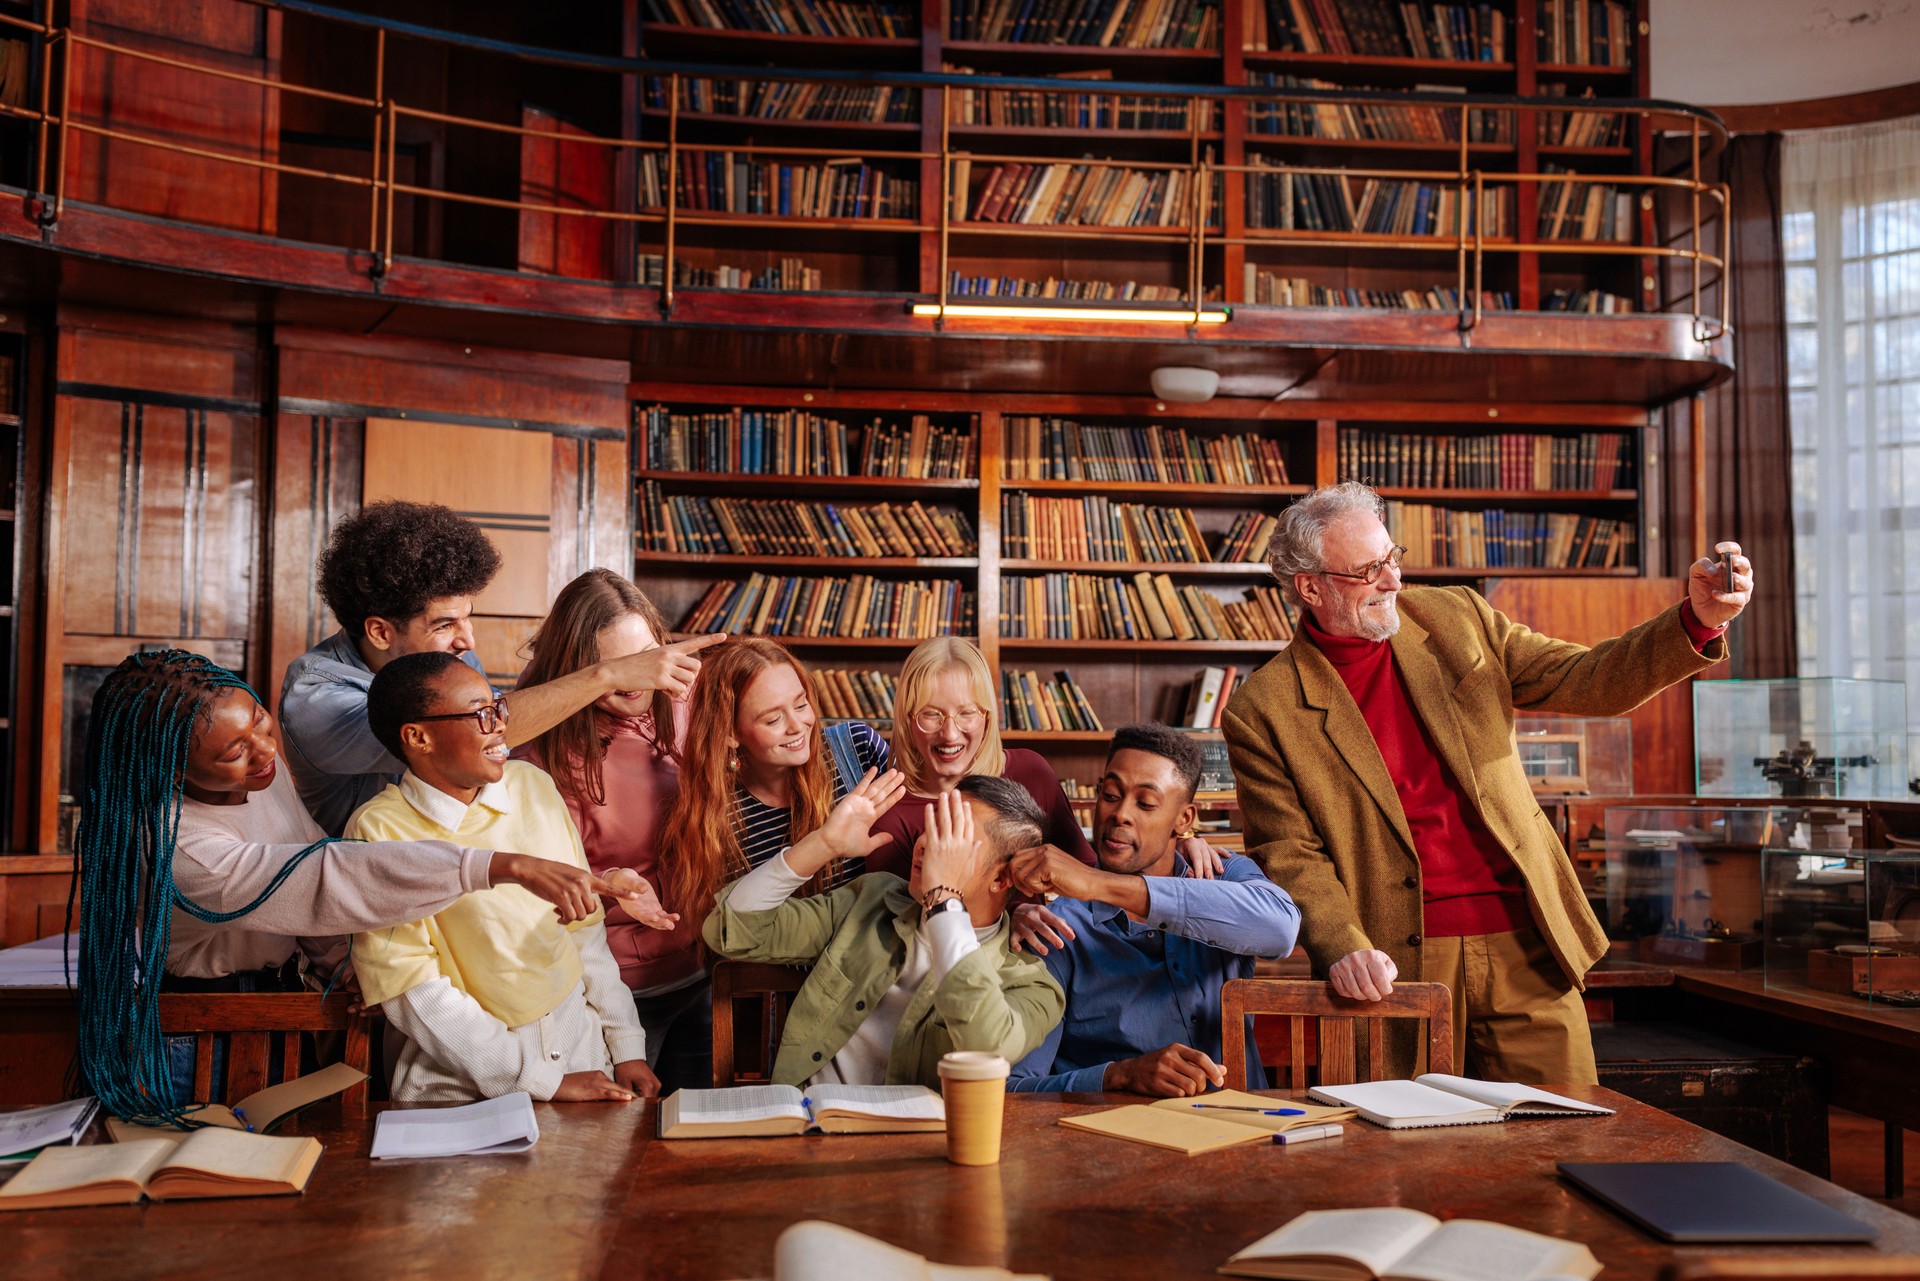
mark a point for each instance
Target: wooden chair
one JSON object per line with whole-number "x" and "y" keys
{"x": 769, "y": 991}
{"x": 1335, "y": 1024}
{"x": 251, "y": 1021}
{"x": 1905, "y": 1267}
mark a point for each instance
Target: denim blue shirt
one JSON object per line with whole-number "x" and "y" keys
{"x": 337, "y": 762}
{"x": 1134, "y": 988}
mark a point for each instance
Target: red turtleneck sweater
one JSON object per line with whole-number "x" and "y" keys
{"x": 1468, "y": 882}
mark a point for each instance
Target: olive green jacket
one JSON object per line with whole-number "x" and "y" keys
{"x": 1322, "y": 815}
{"x": 855, "y": 939}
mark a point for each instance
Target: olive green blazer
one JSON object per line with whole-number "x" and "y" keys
{"x": 855, "y": 939}
{"x": 1322, "y": 815}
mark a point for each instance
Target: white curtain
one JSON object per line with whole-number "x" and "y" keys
{"x": 1851, "y": 233}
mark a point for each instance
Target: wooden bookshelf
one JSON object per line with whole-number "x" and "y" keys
{"x": 1223, "y": 132}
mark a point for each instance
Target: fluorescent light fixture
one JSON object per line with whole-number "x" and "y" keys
{"x": 1004, "y": 311}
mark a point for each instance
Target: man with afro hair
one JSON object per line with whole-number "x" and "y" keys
{"x": 400, "y": 578}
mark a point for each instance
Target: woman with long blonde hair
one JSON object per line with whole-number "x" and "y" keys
{"x": 758, "y": 772}
{"x": 945, "y": 728}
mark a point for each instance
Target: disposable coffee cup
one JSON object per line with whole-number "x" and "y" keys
{"x": 974, "y": 1085}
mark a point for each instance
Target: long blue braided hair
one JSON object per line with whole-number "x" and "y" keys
{"x": 145, "y": 718}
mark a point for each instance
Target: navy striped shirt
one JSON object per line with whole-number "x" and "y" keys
{"x": 764, "y": 829}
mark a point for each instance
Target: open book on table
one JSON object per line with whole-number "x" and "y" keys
{"x": 1438, "y": 1099}
{"x": 815, "y": 1251}
{"x": 259, "y": 1112}
{"x": 1222, "y": 1119}
{"x": 749, "y": 1111}
{"x": 1405, "y": 1245}
{"x": 213, "y": 1162}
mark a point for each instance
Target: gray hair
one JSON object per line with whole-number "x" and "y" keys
{"x": 1296, "y": 546}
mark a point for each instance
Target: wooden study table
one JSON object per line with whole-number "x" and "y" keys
{"x": 600, "y": 1197}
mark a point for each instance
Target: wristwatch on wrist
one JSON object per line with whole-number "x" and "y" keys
{"x": 952, "y": 902}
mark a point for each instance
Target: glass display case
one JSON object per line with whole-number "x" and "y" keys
{"x": 1844, "y": 923}
{"x": 1814, "y": 737}
{"x": 1683, "y": 885}
{"x": 1576, "y": 755}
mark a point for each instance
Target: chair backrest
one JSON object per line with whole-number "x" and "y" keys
{"x": 251, "y": 1022}
{"x": 1905, "y": 1267}
{"x": 767, "y": 991}
{"x": 1336, "y": 1021}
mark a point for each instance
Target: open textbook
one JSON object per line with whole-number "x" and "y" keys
{"x": 1222, "y": 1119}
{"x": 815, "y": 1251}
{"x": 259, "y": 1112}
{"x": 1405, "y": 1245}
{"x": 748, "y": 1111}
{"x": 1438, "y": 1099}
{"x": 213, "y": 1162}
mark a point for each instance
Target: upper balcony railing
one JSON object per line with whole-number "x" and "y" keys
{"x": 1465, "y": 209}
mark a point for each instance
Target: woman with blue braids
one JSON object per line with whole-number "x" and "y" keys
{"x": 198, "y": 862}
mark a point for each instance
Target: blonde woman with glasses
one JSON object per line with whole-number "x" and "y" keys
{"x": 944, "y": 729}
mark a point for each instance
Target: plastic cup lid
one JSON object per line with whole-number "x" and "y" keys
{"x": 973, "y": 1065}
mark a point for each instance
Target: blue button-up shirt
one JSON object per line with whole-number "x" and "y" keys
{"x": 1133, "y": 988}
{"x": 337, "y": 762}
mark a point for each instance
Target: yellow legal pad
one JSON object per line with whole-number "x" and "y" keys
{"x": 1178, "y": 1126}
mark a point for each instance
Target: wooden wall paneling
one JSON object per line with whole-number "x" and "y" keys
{"x": 153, "y": 533}
{"x": 989, "y": 423}
{"x": 569, "y": 175}
{"x": 152, "y": 100}
{"x": 592, "y": 507}
{"x": 33, "y": 897}
{"x": 499, "y": 478}
{"x": 1588, "y": 611}
{"x": 316, "y": 481}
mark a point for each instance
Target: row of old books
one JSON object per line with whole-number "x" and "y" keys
{"x": 789, "y": 275}
{"x": 1058, "y": 705}
{"x": 1075, "y": 109}
{"x": 797, "y": 442}
{"x": 1593, "y": 302}
{"x": 1267, "y": 289}
{"x": 787, "y": 527}
{"x": 1440, "y": 537}
{"x": 964, "y": 286}
{"x": 1387, "y": 206}
{"x": 1411, "y": 122}
{"x": 1044, "y": 448}
{"x": 786, "y": 99}
{"x": 1584, "y": 33}
{"x": 1208, "y": 694}
{"x": 849, "y": 694}
{"x": 1580, "y": 128}
{"x": 1146, "y": 607}
{"x": 1093, "y": 194}
{"x": 1107, "y": 24}
{"x": 1380, "y": 29}
{"x": 860, "y": 605}
{"x": 1584, "y": 210}
{"x": 870, "y": 19}
{"x": 738, "y": 182}
{"x": 1510, "y": 460}
{"x": 1097, "y": 528}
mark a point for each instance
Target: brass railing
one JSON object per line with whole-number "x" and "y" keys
{"x": 1470, "y": 244}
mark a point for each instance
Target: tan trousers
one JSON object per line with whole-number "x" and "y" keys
{"x": 1515, "y": 1017}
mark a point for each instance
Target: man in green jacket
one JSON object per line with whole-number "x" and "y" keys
{"x": 903, "y": 971}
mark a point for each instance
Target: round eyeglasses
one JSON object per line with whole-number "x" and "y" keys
{"x": 931, "y": 720}
{"x": 1371, "y": 571}
{"x": 489, "y": 718}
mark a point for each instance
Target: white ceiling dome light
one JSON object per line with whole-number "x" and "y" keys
{"x": 1186, "y": 383}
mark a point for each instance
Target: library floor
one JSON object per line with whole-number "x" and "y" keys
{"x": 1857, "y": 1147}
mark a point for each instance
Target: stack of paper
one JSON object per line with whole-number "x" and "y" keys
{"x": 488, "y": 1128}
{"x": 41, "y": 963}
{"x": 56, "y": 1125}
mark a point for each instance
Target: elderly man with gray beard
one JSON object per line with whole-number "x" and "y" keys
{"x": 1379, "y": 785}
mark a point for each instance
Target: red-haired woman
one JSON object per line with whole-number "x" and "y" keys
{"x": 758, "y": 772}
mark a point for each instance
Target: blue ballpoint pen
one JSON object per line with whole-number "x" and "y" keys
{"x": 1241, "y": 1107}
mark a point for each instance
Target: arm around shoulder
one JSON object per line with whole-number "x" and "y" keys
{"x": 792, "y": 931}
